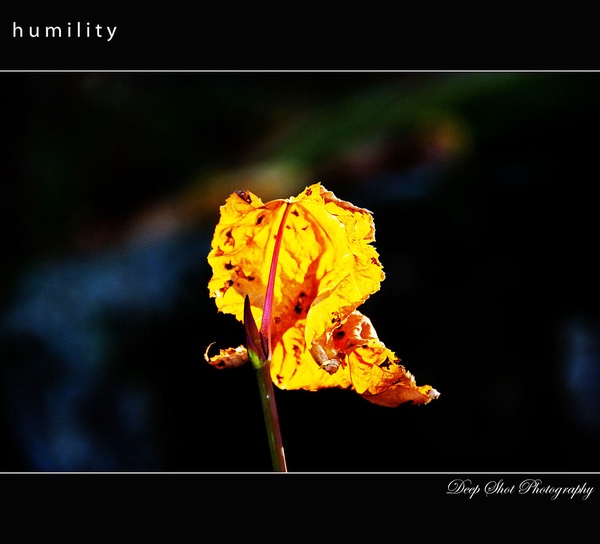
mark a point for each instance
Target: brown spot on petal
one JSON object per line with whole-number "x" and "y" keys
{"x": 245, "y": 196}
{"x": 230, "y": 241}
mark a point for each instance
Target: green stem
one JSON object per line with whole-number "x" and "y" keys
{"x": 267, "y": 398}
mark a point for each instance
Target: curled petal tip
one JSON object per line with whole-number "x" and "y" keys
{"x": 227, "y": 358}
{"x": 433, "y": 394}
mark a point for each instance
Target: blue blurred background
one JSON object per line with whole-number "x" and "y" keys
{"x": 482, "y": 187}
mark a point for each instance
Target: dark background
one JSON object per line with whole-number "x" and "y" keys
{"x": 482, "y": 187}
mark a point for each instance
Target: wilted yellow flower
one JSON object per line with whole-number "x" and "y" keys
{"x": 327, "y": 268}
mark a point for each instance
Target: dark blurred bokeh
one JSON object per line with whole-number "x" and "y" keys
{"x": 482, "y": 187}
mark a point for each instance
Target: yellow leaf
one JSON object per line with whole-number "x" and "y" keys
{"x": 327, "y": 268}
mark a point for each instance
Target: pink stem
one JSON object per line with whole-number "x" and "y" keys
{"x": 265, "y": 327}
